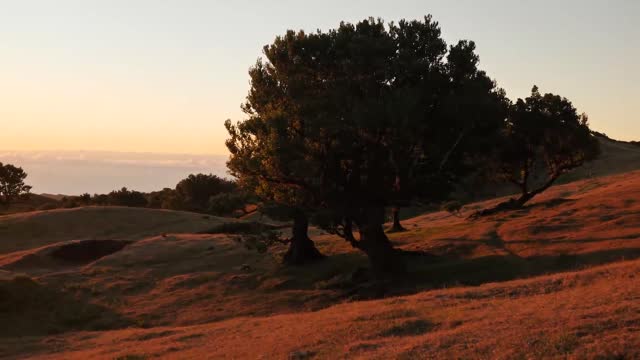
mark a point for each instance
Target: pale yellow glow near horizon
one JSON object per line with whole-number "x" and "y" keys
{"x": 49, "y": 112}
{"x": 107, "y": 114}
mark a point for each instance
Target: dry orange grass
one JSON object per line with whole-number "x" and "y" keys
{"x": 581, "y": 315}
{"x": 552, "y": 284}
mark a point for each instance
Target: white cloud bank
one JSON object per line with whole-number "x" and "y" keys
{"x": 77, "y": 172}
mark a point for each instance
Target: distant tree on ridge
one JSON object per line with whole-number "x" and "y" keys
{"x": 12, "y": 183}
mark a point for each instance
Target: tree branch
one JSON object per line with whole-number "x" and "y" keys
{"x": 447, "y": 155}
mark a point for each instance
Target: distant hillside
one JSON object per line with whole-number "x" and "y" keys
{"x": 57, "y": 197}
{"x": 616, "y": 157}
{"x": 30, "y": 203}
{"x": 555, "y": 280}
{"x": 34, "y": 229}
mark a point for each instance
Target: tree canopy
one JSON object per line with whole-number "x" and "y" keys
{"x": 544, "y": 137}
{"x": 126, "y": 197}
{"x": 12, "y": 183}
{"x": 195, "y": 191}
{"x": 349, "y": 120}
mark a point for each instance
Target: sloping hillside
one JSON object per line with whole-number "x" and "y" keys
{"x": 31, "y": 202}
{"x": 588, "y": 314}
{"x": 556, "y": 279}
{"x": 616, "y": 157}
{"x": 34, "y": 229}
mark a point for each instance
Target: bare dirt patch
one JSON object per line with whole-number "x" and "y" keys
{"x": 84, "y": 252}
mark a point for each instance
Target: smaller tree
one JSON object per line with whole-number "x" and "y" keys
{"x": 85, "y": 199}
{"x": 126, "y": 197}
{"x": 396, "y": 226}
{"x": 100, "y": 199}
{"x": 544, "y": 138}
{"x": 226, "y": 203}
{"x": 196, "y": 190}
{"x": 12, "y": 183}
{"x": 163, "y": 199}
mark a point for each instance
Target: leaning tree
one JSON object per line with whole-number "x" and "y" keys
{"x": 544, "y": 138}
{"x": 353, "y": 120}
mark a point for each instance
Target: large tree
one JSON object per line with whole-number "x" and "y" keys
{"x": 544, "y": 138}
{"x": 350, "y": 121}
{"x": 12, "y": 183}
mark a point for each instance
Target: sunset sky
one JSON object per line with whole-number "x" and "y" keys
{"x": 162, "y": 76}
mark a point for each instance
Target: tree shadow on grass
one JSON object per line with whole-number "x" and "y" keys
{"x": 550, "y": 203}
{"x": 348, "y": 275}
{"x": 34, "y": 309}
{"x": 512, "y": 208}
{"x": 337, "y": 271}
{"x": 427, "y": 270}
{"x": 497, "y": 268}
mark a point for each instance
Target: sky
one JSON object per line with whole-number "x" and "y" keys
{"x": 98, "y": 172}
{"x": 161, "y": 77}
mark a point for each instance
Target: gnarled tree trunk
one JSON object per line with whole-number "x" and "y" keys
{"x": 301, "y": 250}
{"x": 385, "y": 260}
{"x": 528, "y": 195}
{"x": 396, "y": 227}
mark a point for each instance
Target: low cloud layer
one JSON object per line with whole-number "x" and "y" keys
{"x": 77, "y": 172}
